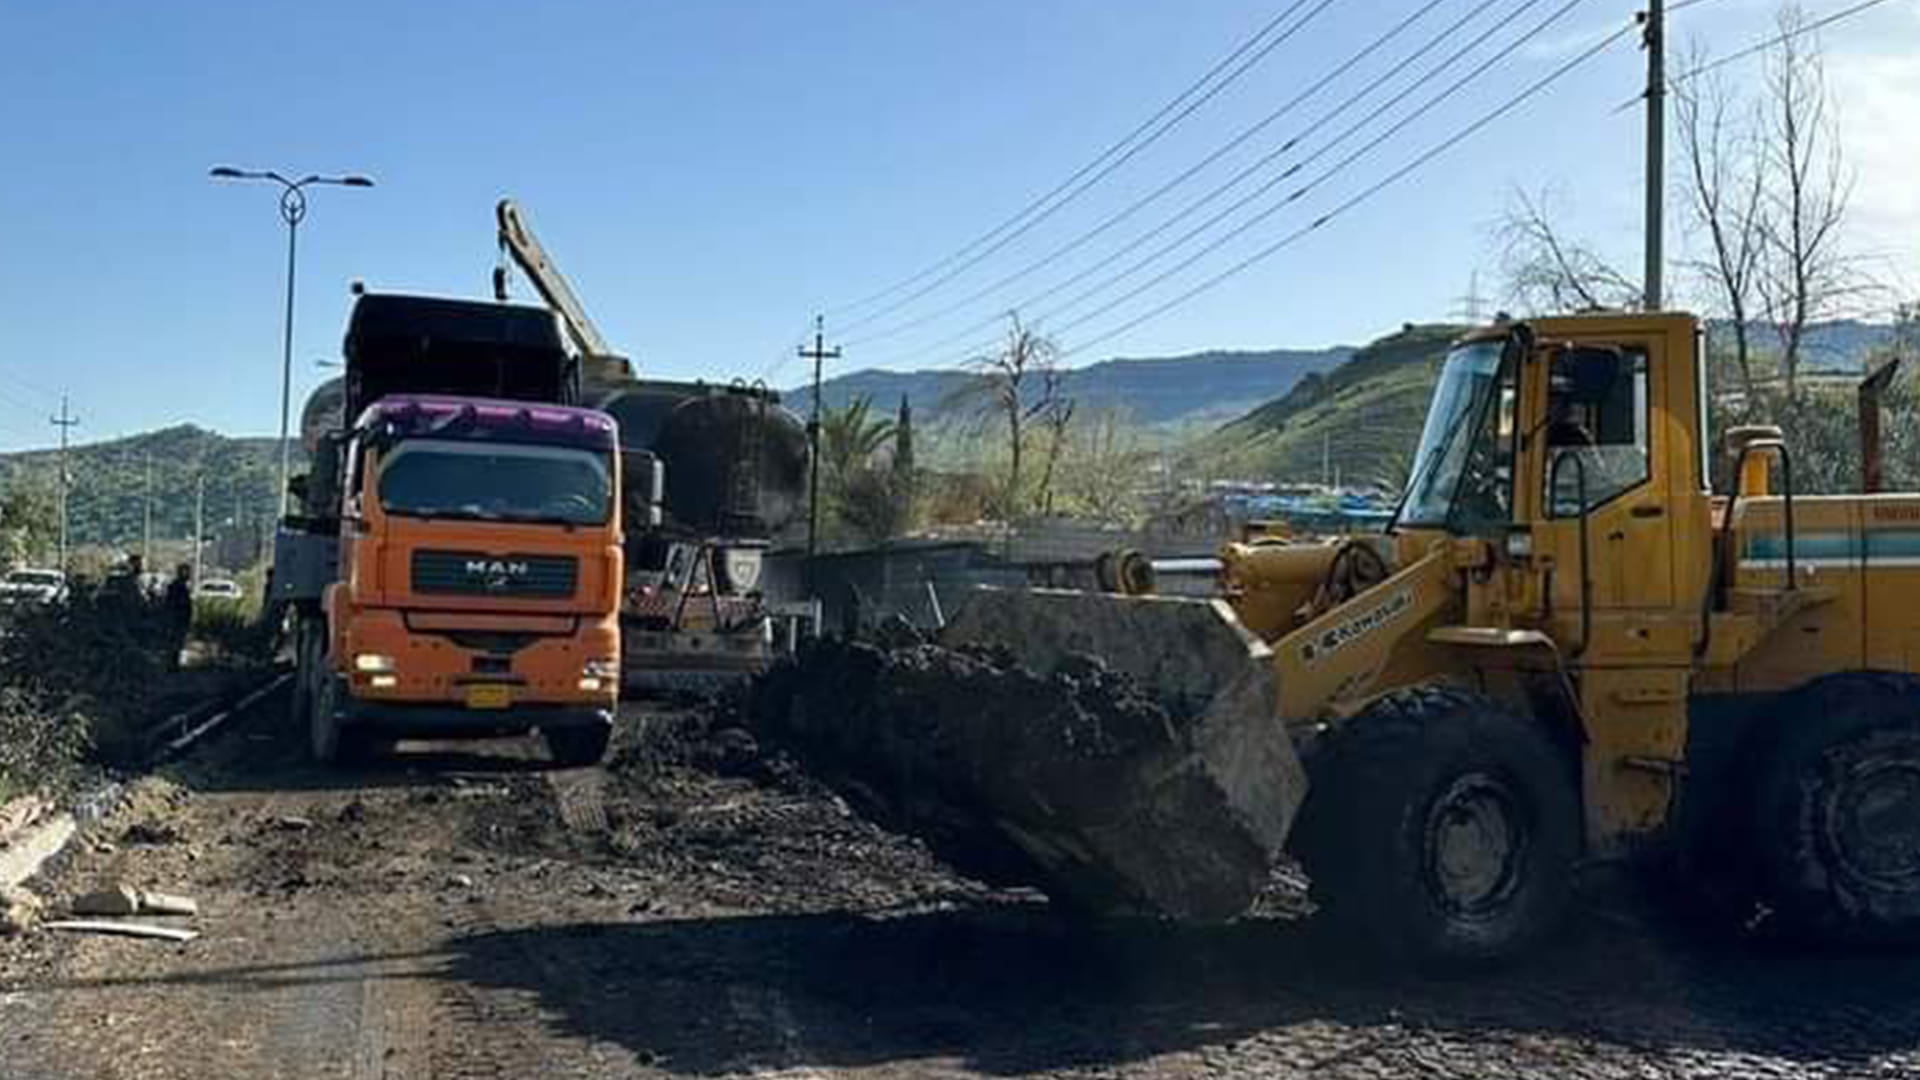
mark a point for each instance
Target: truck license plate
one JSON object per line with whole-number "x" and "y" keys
{"x": 489, "y": 696}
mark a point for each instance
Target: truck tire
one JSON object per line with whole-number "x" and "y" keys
{"x": 331, "y": 742}
{"x": 323, "y": 720}
{"x": 1441, "y": 829}
{"x": 1836, "y": 824}
{"x": 577, "y": 747}
{"x": 308, "y": 661}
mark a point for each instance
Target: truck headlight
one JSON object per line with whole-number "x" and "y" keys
{"x": 372, "y": 662}
{"x": 741, "y": 567}
{"x": 601, "y": 669}
{"x": 384, "y": 682}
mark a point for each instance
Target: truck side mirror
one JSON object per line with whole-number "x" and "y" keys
{"x": 1587, "y": 374}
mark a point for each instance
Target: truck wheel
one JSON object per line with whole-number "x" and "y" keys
{"x": 323, "y": 720}
{"x": 575, "y": 747}
{"x": 1837, "y": 820}
{"x": 307, "y": 663}
{"x": 1440, "y": 828}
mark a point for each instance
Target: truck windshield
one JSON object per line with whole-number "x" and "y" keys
{"x": 496, "y": 482}
{"x": 1467, "y": 382}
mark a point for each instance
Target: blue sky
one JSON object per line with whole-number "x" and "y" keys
{"x": 709, "y": 174}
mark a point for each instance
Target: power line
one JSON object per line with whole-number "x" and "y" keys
{"x": 1371, "y": 190}
{"x": 1196, "y": 205}
{"x": 1325, "y": 174}
{"x": 1757, "y": 47}
{"x": 28, "y": 384}
{"x": 1111, "y": 150}
{"x": 1003, "y": 235}
{"x": 784, "y": 356}
{"x": 1186, "y": 174}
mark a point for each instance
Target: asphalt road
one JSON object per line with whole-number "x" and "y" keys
{"x": 696, "y": 909}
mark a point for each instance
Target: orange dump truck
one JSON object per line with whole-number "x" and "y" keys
{"x": 455, "y": 568}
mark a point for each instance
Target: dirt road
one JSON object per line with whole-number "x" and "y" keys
{"x": 699, "y": 909}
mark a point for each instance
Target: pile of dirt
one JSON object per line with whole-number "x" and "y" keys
{"x": 1074, "y": 779}
{"x": 702, "y": 800}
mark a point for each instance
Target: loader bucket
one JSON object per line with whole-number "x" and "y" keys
{"x": 1193, "y": 829}
{"x": 1120, "y": 753}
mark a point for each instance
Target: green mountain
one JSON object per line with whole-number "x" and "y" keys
{"x": 109, "y": 483}
{"x": 1199, "y": 387}
{"x": 1361, "y": 418}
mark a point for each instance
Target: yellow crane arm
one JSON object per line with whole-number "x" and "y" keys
{"x": 517, "y": 240}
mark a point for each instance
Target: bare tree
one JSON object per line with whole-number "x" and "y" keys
{"x": 1103, "y": 466}
{"x": 1547, "y": 271}
{"x": 1054, "y": 411}
{"x": 1015, "y": 385}
{"x": 1725, "y": 179}
{"x": 1805, "y": 276}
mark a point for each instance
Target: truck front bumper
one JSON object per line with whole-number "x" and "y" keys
{"x": 455, "y": 722}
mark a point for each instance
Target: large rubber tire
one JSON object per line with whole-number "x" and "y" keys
{"x": 1836, "y": 821}
{"x": 309, "y": 658}
{"x": 1441, "y": 829}
{"x": 576, "y": 747}
{"x": 324, "y": 737}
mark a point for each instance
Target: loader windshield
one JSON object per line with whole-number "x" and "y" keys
{"x": 1461, "y": 477}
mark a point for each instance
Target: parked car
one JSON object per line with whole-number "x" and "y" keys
{"x": 32, "y": 585}
{"x": 218, "y": 589}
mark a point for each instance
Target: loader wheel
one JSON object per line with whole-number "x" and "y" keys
{"x": 1837, "y": 826}
{"x": 1440, "y": 828}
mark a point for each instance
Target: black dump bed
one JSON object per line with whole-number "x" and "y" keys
{"x": 430, "y": 345}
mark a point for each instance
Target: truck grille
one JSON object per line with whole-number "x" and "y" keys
{"x": 474, "y": 573}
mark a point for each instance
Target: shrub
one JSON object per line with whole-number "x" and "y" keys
{"x": 41, "y": 744}
{"x": 232, "y": 633}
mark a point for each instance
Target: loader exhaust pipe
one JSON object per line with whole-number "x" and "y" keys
{"x": 1872, "y": 388}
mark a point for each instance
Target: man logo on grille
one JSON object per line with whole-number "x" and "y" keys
{"x": 496, "y": 574}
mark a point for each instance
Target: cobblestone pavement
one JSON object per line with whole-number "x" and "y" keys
{"x": 463, "y": 911}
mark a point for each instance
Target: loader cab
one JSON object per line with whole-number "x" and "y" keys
{"x": 1572, "y": 447}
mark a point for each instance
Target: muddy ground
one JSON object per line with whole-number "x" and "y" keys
{"x": 699, "y": 907}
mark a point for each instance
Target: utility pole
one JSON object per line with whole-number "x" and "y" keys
{"x": 818, "y": 353}
{"x": 199, "y": 510}
{"x": 146, "y": 519}
{"x": 1656, "y": 44}
{"x": 64, "y": 421}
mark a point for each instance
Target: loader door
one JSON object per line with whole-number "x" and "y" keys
{"x": 1599, "y": 456}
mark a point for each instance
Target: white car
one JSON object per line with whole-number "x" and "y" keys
{"x": 218, "y": 589}
{"x": 30, "y": 585}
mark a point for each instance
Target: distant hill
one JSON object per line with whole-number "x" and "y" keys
{"x": 1361, "y": 418}
{"x": 1836, "y": 345}
{"x": 1206, "y": 386}
{"x": 109, "y": 482}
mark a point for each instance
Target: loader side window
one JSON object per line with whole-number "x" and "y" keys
{"x": 1609, "y": 437}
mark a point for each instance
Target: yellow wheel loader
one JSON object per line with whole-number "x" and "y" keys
{"x": 1565, "y": 649}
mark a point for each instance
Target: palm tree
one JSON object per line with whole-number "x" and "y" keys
{"x": 849, "y": 437}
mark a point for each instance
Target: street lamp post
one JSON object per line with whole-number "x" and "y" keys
{"x": 293, "y": 210}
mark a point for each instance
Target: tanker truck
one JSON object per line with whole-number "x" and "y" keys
{"x": 728, "y": 471}
{"x": 452, "y": 566}
{"x": 715, "y": 473}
